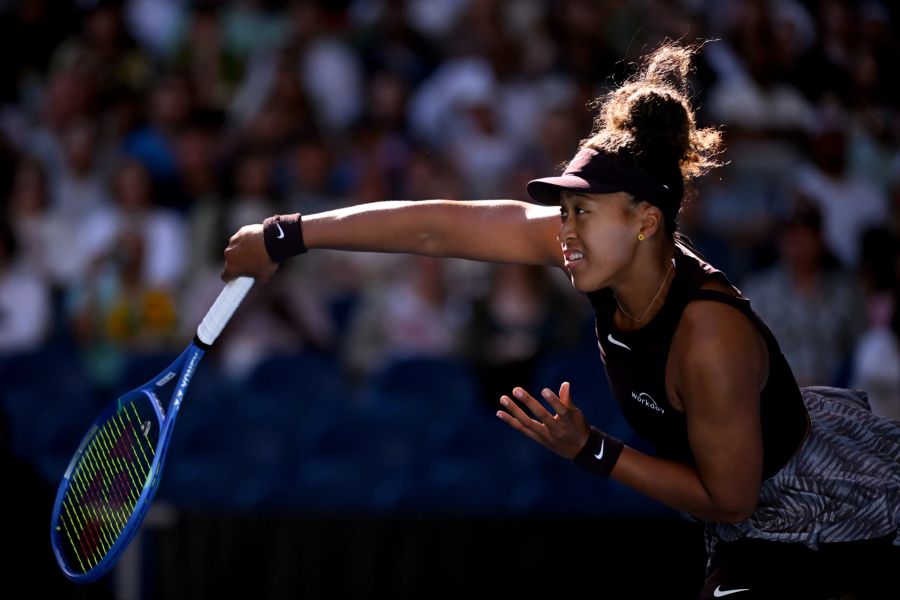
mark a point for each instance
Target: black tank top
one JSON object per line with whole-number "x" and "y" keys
{"x": 635, "y": 363}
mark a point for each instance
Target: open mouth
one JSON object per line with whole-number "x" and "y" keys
{"x": 573, "y": 258}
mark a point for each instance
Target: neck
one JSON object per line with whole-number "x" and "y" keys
{"x": 643, "y": 291}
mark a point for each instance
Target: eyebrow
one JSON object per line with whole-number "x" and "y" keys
{"x": 573, "y": 197}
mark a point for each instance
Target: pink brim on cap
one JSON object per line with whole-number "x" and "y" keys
{"x": 593, "y": 172}
{"x": 548, "y": 189}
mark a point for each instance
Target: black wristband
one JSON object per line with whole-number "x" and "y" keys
{"x": 600, "y": 453}
{"x": 283, "y": 236}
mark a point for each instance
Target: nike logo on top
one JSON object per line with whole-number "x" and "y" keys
{"x": 599, "y": 455}
{"x": 616, "y": 342}
{"x": 719, "y": 592}
{"x": 280, "y": 231}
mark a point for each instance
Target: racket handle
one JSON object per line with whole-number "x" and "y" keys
{"x": 220, "y": 312}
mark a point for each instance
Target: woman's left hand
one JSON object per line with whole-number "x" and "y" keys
{"x": 565, "y": 433}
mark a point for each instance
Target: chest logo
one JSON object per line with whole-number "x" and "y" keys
{"x": 648, "y": 401}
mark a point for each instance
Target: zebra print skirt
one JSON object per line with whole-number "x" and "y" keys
{"x": 842, "y": 484}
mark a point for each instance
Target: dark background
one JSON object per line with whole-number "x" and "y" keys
{"x": 340, "y": 439}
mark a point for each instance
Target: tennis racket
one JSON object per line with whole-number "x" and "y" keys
{"x": 110, "y": 482}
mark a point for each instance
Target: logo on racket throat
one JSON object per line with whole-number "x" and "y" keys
{"x": 165, "y": 379}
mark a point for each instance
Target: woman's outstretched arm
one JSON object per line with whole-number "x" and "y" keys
{"x": 485, "y": 230}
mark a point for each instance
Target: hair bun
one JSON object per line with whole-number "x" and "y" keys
{"x": 650, "y": 119}
{"x": 669, "y": 67}
{"x": 660, "y": 127}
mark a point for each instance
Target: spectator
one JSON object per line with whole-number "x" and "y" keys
{"x": 170, "y": 105}
{"x": 134, "y": 213}
{"x": 741, "y": 207}
{"x": 156, "y": 24}
{"x": 199, "y": 185}
{"x": 876, "y": 366}
{"x": 330, "y": 74}
{"x": 64, "y": 137}
{"x": 252, "y": 182}
{"x": 252, "y": 28}
{"x": 116, "y": 310}
{"x": 309, "y": 173}
{"x": 105, "y": 43}
{"x": 78, "y": 177}
{"x": 479, "y": 150}
{"x": 876, "y": 361}
{"x": 749, "y": 93}
{"x": 414, "y": 315}
{"x": 25, "y": 309}
{"x": 811, "y": 305}
{"x": 848, "y": 204}
{"x": 35, "y": 230}
{"x": 517, "y": 321}
{"x": 214, "y": 69}
{"x": 425, "y": 178}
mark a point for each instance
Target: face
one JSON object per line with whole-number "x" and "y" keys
{"x": 598, "y": 237}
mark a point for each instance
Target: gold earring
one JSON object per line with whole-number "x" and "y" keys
{"x": 640, "y": 237}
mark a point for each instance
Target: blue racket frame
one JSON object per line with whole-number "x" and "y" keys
{"x": 184, "y": 366}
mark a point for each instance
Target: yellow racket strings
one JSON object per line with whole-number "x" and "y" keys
{"x": 105, "y": 486}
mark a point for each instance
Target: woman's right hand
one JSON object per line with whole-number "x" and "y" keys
{"x": 246, "y": 255}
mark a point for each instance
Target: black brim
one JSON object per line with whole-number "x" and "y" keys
{"x": 547, "y": 189}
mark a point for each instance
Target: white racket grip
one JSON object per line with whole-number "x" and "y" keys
{"x": 220, "y": 312}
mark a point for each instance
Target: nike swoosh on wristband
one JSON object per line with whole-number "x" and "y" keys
{"x": 617, "y": 342}
{"x": 719, "y": 592}
{"x": 280, "y": 231}
{"x": 599, "y": 455}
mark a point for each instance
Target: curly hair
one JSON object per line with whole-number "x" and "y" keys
{"x": 649, "y": 120}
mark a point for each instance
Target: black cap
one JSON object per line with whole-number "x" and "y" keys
{"x": 594, "y": 172}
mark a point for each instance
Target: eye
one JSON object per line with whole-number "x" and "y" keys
{"x": 563, "y": 213}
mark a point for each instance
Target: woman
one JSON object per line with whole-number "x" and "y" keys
{"x": 799, "y": 491}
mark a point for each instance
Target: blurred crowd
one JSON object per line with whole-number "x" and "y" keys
{"x": 137, "y": 135}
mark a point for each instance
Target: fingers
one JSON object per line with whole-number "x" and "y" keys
{"x": 246, "y": 256}
{"x": 565, "y": 394}
{"x": 518, "y": 414}
{"x": 228, "y": 271}
{"x": 516, "y": 424}
{"x": 561, "y": 408}
{"x": 536, "y": 408}
{"x": 563, "y": 433}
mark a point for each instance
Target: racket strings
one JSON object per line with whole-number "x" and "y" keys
{"x": 96, "y": 525}
{"x": 105, "y": 486}
{"x": 83, "y": 523}
{"x": 99, "y": 523}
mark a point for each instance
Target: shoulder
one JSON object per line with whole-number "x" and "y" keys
{"x": 707, "y": 325}
{"x": 714, "y": 336}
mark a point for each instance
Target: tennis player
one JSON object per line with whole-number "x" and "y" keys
{"x": 798, "y": 489}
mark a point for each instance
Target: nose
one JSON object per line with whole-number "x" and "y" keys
{"x": 566, "y": 231}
